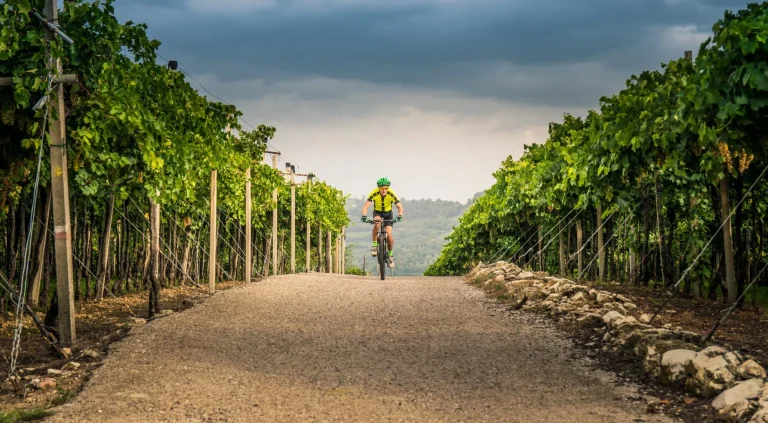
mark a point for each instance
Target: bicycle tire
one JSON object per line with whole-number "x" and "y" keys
{"x": 382, "y": 256}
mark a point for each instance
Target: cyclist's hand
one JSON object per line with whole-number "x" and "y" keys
{"x": 399, "y": 219}
{"x": 363, "y": 218}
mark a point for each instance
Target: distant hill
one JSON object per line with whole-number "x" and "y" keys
{"x": 418, "y": 238}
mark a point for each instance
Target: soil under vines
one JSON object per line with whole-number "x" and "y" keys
{"x": 744, "y": 330}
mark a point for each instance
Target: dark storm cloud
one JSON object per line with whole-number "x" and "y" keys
{"x": 457, "y": 46}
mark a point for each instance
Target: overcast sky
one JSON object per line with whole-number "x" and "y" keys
{"x": 433, "y": 94}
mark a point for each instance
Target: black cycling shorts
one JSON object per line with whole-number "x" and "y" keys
{"x": 385, "y": 216}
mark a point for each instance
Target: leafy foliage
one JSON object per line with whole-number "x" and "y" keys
{"x": 136, "y": 130}
{"x": 677, "y": 133}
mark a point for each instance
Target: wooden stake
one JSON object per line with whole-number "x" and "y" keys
{"x": 154, "y": 241}
{"x": 248, "y": 257}
{"x": 213, "y": 235}
{"x": 309, "y": 224}
{"x": 579, "y": 244}
{"x": 343, "y": 250}
{"x": 60, "y": 187}
{"x": 561, "y": 239}
{"x": 274, "y": 222}
{"x": 601, "y": 255}
{"x": 541, "y": 253}
{"x": 293, "y": 221}
{"x": 328, "y": 255}
{"x": 320, "y": 265}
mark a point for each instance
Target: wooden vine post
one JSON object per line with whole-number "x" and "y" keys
{"x": 248, "y": 252}
{"x": 59, "y": 178}
{"x": 213, "y": 238}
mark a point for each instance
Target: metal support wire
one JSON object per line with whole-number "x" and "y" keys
{"x": 673, "y": 288}
{"x": 511, "y": 256}
{"x": 593, "y": 234}
{"x": 548, "y": 232}
{"x": 553, "y": 238}
{"x": 207, "y": 253}
{"x": 16, "y": 345}
{"x": 604, "y": 245}
{"x": 144, "y": 236}
{"x": 208, "y": 223}
{"x": 500, "y": 254}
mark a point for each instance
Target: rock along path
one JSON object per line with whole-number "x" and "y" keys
{"x": 322, "y": 348}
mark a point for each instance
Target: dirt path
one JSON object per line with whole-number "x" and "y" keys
{"x": 317, "y": 348}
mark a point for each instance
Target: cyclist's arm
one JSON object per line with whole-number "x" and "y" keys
{"x": 365, "y": 207}
{"x": 399, "y": 208}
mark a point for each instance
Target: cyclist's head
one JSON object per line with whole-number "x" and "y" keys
{"x": 383, "y": 182}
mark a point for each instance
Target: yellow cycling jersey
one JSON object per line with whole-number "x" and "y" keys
{"x": 383, "y": 204}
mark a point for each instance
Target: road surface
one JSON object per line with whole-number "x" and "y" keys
{"x": 331, "y": 348}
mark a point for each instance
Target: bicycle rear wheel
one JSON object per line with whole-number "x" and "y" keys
{"x": 382, "y": 256}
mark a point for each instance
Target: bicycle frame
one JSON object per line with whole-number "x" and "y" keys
{"x": 382, "y": 238}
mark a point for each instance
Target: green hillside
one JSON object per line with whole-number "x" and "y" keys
{"x": 418, "y": 238}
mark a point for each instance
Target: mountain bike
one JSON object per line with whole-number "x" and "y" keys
{"x": 383, "y": 248}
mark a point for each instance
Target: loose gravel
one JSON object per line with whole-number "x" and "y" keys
{"x": 322, "y": 348}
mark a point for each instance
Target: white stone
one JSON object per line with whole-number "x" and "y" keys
{"x": 591, "y": 317}
{"x": 674, "y": 364}
{"x": 713, "y": 351}
{"x": 710, "y": 373}
{"x": 578, "y": 299}
{"x": 90, "y": 353}
{"x": 750, "y": 369}
{"x": 609, "y": 317}
{"x": 630, "y": 306}
{"x": 603, "y": 298}
{"x": 72, "y": 365}
{"x": 761, "y": 416}
{"x": 738, "y": 412}
{"x": 623, "y": 299}
{"x": 734, "y": 360}
{"x": 627, "y": 320}
{"x": 746, "y": 390}
{"x": 645, "y": 318}
{"x": 615, "y": 307}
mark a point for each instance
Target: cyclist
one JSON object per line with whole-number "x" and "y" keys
{"x": 382, "y": 199}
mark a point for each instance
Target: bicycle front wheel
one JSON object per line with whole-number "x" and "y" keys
{"x": 382, "y": 256}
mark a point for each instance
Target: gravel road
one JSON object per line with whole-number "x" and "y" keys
{"x": 322, "y": 348}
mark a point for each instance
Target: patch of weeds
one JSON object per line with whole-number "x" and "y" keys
{"x": 24, "y": 415}
{"x": 503, "y": 297}
{"x": 64, "y": 395}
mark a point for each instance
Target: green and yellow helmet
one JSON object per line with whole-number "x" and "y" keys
{"x": 383, "y": 182}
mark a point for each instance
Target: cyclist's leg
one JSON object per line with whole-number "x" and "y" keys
{"x": 375, "y": 233}
{"x": 390, "y": 245}
{"x": 388, "y": 229}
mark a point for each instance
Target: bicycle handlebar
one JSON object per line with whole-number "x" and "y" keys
{"x": 372, "y": 222}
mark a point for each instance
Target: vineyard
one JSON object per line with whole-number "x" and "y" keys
{"x": 664, "y": 186}
{"x": 142, "y": 145}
